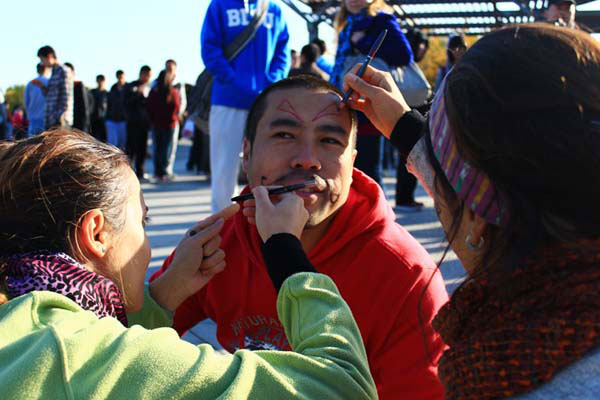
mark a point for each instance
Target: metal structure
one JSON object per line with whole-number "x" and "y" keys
{"x": 439, "y": 17}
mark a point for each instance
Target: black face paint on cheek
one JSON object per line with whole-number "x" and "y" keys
{"x": 334, "y": 191}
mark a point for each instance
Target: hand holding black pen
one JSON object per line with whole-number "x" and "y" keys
{"x": 368, "y": 59}
{"x": 278, "y": 190}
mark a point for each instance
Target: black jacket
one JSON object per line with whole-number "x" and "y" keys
{"x": 136, "y": 104}
{"x": 116, "y": 105}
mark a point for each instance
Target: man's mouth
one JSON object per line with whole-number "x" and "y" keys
{"x": 314, "y": 185}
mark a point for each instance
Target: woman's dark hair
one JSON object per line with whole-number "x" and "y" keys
{"x": 524, "y": 106}
{"x": 164, "y": 86}
{"x": 49, "y": 182}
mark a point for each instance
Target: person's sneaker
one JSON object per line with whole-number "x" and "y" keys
{"x": 413, "y": 206}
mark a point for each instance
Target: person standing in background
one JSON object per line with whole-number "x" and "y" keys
{"x": 322, "y": 62}
{"x": 35, "y": 100}
{"x": 163, "y": 106}
{"x": 171, "y": 68}
{"x": 359, "y": 23}
{"x": 98, "y": 118}
{"x": 83, "y": 103}
{"x": 19, "y": 123}
{"x": 263, "y": 61}
{"x": 116, "y": 124}
{"x": 59, "y": 99}
{"x": 3, "y": 119}
{"x": 406, "y": 183}
{"x": 295, "y": 59}
{"x": 308, "y": 63}
{"x": 138, "y": 120}
{"x": 455, "y": 49}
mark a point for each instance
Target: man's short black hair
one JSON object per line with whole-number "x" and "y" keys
{"x": 169, "y": 61}
{"x": 45, "y": 51}
{"x": 40, "y": 68}
{"x": 307, "y": 82}
{"x": 310, "y": 52}
{"x": 119, "y": 73}
{"x": 100, "y": 78}
{"x": 321, "y": 44}
{"x": 68, "y": 64}
{"x": 145, "y": 69}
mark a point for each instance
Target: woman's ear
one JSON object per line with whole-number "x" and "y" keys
{"x": 478, "y": 227}
{"x": 92, "y": 235}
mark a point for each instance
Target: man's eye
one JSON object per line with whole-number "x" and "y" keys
{"x": 331, "y": 141}
{"x": 283, "y": 135}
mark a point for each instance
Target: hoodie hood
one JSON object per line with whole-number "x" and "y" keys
{"x": 365, "y": 212}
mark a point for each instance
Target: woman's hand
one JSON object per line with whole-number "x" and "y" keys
{"x": 288, "y": 215}
{"x": 197, "y": 259}
{"x": 378, "y": 96}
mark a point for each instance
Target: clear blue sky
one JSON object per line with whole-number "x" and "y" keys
{"x": 101, "y": 37}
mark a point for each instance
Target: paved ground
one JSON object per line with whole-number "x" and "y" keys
{"x": 174, "y": 207}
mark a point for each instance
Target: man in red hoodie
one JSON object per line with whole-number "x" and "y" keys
{"x": 295, "y": 132}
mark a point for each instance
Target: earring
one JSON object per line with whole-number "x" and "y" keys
{"x": 103, "y": 249}
{"x": 474, "y": 247}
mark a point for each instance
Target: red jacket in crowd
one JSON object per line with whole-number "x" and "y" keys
{"x": 164, "y": 113}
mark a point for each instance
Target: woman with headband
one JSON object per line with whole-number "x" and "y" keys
{"x": 510, "y": 153}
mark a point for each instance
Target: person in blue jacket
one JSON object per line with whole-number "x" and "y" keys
{"x": 263, "y": 61}
{"x": 359, "y": 23}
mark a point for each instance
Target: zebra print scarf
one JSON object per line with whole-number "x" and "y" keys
{"x": 59, "y": 273}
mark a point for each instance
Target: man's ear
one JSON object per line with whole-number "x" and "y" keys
{"x": 246, "y": 149}
{"x": 92, "y": 235}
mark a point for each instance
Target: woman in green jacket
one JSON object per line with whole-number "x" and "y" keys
{"x": 77, "y": 322}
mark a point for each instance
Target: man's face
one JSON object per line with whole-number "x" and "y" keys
{"x": 564, "y": 11}
{"x": 121, "y": 79}
{"x": 101, "y": 83}
{"x": 47, "y": 61}
{"x": 302, "y": 134}
{"x": 145, "y": 76}
{"x": 171, "y": 68}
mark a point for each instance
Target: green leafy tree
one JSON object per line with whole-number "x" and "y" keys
{"x": 436, "y": 56}
{"x": 15, "y": 95}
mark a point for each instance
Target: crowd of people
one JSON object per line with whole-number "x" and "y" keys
{"x": 122, "y": 117}
{"x": 316, "y": 293}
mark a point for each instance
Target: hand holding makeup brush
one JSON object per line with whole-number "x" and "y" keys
{"x": 288, "y": 215}
{"x": 377, "y": 95}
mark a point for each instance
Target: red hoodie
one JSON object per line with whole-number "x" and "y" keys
{"x": 380, "y": 270}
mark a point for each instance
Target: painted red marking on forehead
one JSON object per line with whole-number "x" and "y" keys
{"x": 331, "y": 109}
{"x": 287, "y": 107}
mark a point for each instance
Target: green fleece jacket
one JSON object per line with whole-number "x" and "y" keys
{"x": 50, "y": 348}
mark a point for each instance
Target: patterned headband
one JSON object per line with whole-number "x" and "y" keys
{"x": 471, "y": 185}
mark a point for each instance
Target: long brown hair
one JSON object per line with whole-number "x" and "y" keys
{"x": 49, "y": 182}
{"x": 524, "y": 104}
{"x": 341, "y": 18}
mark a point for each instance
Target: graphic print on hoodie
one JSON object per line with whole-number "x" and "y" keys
{"x": 380, "y": 270}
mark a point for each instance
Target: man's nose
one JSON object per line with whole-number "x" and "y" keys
{"x": 306, "y": 158}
